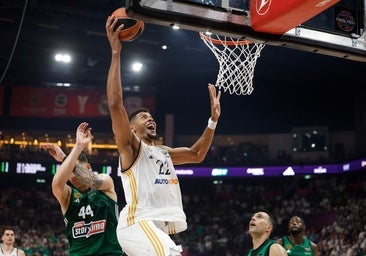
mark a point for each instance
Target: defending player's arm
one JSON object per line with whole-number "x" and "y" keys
{"x": 80, "y": 171}
{"x": 315, "y": 249}
{"x": 197, "y": 152}
{"x": 87, "y": 176}
{"x": 60, "y": 189}
{"x": 102, "y": 182}
{"x": 55, "y": 151}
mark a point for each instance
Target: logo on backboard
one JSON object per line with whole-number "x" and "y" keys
{"x": 345, "y": 21}
{"x": 262, "y": 6}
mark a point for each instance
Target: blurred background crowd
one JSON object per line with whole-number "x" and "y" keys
{"x": 218, "y": 212}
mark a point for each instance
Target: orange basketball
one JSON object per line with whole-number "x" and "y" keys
{"x": 132, "y": 29}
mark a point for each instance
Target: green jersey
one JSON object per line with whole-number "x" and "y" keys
{"x": 91, "y": 221}
{"x": 262, "y": 250}
{"x": 305, "y": 249}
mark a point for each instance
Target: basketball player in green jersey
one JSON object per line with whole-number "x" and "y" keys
{"x": 90, "y": 207}
{"x": 261, "y": 226}
{"x": 296, "y": 244}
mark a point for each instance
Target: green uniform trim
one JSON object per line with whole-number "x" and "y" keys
{"x": 305, "y": 249}
{"x": 91, "y": 221}
{"x": 262, "y": 250}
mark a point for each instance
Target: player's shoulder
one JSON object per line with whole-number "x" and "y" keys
{"x": 21, "y": 252}
{"x": 279, "y": 240}
{"x": 314, "y": 245}
{"x": 277, "y": 250}
{"x": 104, "y": 176}
{"x": 165, "y": 147}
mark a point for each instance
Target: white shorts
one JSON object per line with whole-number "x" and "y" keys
{"x": 146, "y": 239}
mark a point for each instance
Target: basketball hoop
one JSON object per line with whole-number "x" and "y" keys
{"x": 237, "y": 59}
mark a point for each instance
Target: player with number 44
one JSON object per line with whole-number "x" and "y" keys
{"x": 89, "y": 206}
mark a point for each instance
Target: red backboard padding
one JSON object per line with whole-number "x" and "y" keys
{"x": 279, "y": 16}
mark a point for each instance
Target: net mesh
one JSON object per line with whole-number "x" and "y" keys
{"x": 237, "y": 59}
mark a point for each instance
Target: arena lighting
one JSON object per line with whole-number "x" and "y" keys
{"x": 63, "y": 58}
{"x": 307, "y": 171}
{"x": 137, "y": 66}
{"x": 103, "y": 146}
{"x": 219, "y": 172}
{"x": 175, "y": 26}
{"x": 208, "y": 32}
{"x": 36, "y": 142}
{"x": 63, "y": 84}
{"x": 4, "y": 167}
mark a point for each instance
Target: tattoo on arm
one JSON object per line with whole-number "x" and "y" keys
{"x": 87, "y": 176}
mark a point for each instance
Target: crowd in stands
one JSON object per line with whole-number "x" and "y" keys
{"x": 242, "y": 154}
{"x": 218, "y": 213}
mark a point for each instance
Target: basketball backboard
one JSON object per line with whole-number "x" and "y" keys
{"x": 330, "y": 27}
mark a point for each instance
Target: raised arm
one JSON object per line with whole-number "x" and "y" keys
{"x": 198, "y": 151}
{"x": 101, "y": 181}
{"x": 315, "y": 249}
{"x": 55, "y": 151}
{"x": 60, "y": 188}
{"x": 127, "y": 142}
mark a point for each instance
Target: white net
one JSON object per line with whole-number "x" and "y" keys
{"x": 237, "y": 59}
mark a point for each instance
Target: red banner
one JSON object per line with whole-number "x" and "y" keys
{"x": 2, "y": 89}
{"x": 64, "y": 102}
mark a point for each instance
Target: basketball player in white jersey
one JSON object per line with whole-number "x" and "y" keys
{"x": 7, "y": 246}
{"x": 154, "y": 205}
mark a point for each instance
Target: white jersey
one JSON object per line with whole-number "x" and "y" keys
{"x": 14, "y": 252}
{"x": 152, "y": 191}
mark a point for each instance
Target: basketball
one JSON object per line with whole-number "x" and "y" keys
{"x": 132, "y": 29}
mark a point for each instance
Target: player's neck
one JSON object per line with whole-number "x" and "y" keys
{"x": 258, "y": 240}
{"x": 297, "y": 239}
{"x": 149, "y": 142}
{"x": 6, "y": 248}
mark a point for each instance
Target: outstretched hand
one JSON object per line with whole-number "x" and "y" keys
{"x": 215, "y": 102}
{"x": 112, "y": 34}
{"x": 83, "y": 134}
{"x": 54, "y": 150}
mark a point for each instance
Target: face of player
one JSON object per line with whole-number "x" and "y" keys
{"x": 259, "y": 223}
{"x": 296, "y": 225}
{"x": 8, "y": 237}
{"x": 144, "y": 125}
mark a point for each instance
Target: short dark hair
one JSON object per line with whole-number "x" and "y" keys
{"x": 273, "y": 222}
{"x": 135, "y": 112}
{"x": 83, "y": 158}
{"x": 7, "y": 228}
{"x": 270, "y": 217}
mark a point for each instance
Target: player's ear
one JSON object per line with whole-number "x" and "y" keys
{"x": 269, "y": 228}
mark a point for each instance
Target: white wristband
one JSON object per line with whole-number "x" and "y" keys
{"x": 211, "y": 124}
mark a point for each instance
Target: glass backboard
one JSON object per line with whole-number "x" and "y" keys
{"x": 330, "y": 27}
